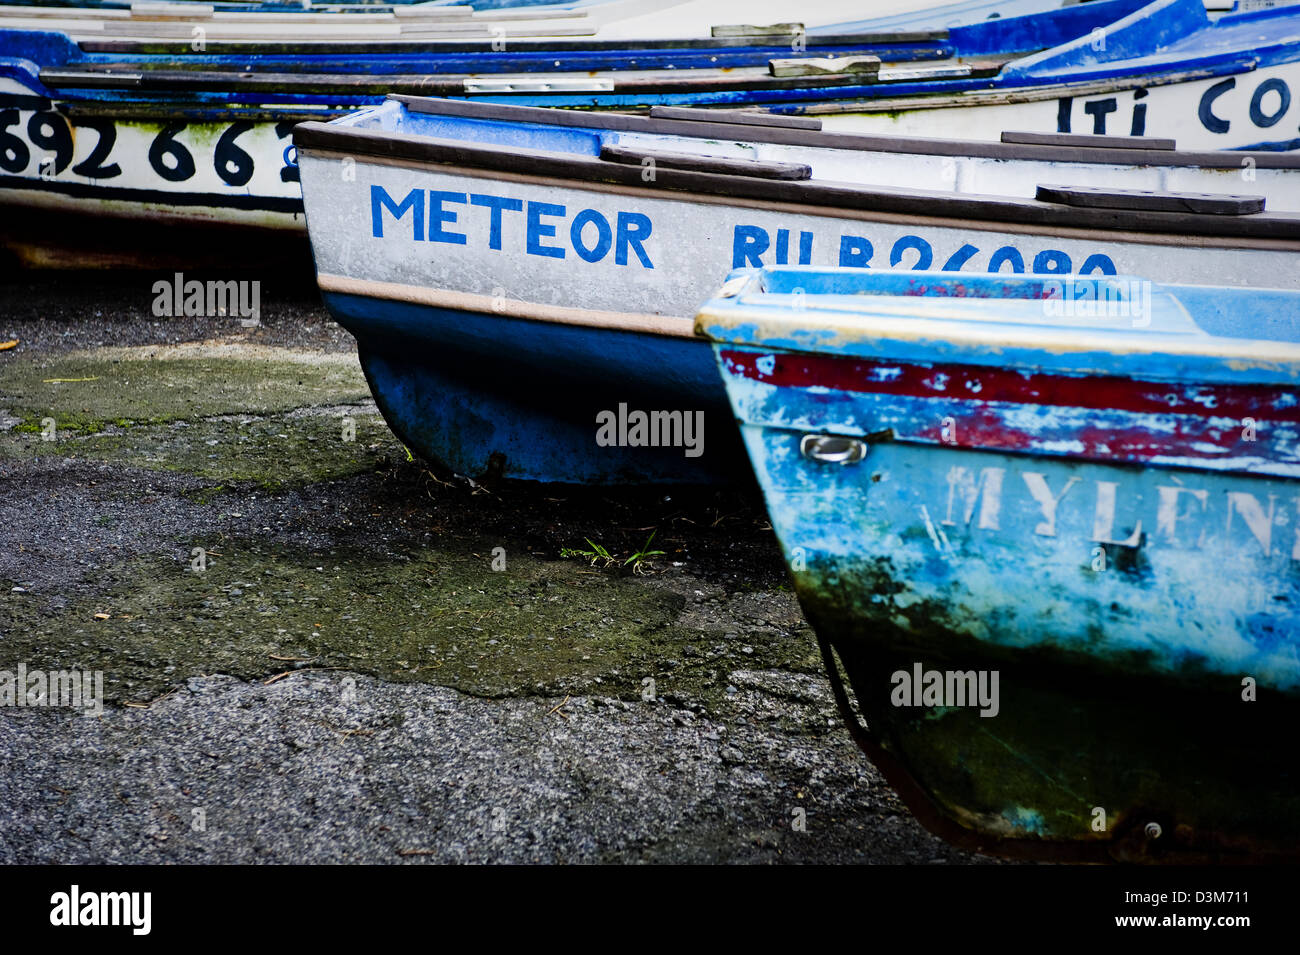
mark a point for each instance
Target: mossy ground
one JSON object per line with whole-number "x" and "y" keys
{"x": 396, "y": 575}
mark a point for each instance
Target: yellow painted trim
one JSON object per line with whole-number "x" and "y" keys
{"x": 669, "y": 326}
{"x": 992, "y": 337}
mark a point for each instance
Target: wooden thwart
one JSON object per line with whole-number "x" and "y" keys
{"x": 1087, "y": 141}
{"x": 749, "y": 29}
{"x": 1141, "y": 200}
{"x": 860, "y": 66}
{"x": 756, "y": 168}
{"x": 738, "y": 117}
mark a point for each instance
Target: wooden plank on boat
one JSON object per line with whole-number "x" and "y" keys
{"x": 662, "y": 81}
{"x": 537, "y": 84}
{"x": 754, "y": 168}
{"x": 1087, "y": 141}
{"x": 752, "y": 30}
{"x": 1003, "y": 97}
{"x": 680, "y": 120}
{"x": 172, "y": 11}
{"x": 739, "y": 117}
{"x": 948, "y": 71}
{"x": 189, "y": 81}
{"x": 1143, "y": 200}
{"x": 860, "y": 66}
{"x": 899, "y": 37}
{"x": 153, "y": 112}
{"x": 90, "y": 79}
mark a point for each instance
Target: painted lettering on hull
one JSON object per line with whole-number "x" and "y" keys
{"x": 591, "y": 236}
{"x": 173, "y": 157}
{"x": 1176, "y": 515}
{"x": 1266, "y": 103}
{"x": 754, "y": 247}
{"x": 629, "y": 238}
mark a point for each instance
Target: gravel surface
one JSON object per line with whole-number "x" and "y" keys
{"x": 340, "y": 768}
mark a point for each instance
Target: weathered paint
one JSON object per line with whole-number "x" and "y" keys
{"x": 1101, "y": 418}
{"x": 1122, "y": 598}
{"x": 230, "y": 178}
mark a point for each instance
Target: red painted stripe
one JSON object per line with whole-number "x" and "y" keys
{"x": 986, "y": 427}
{"x": 975, "y": 383}
{"x": 989, "y": 407}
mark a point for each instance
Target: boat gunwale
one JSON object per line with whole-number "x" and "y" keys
{"x": 778, "y": 135}
{"x": 1278, "y": 230}
{"x": 985, "y": 339}
{"x": 863, "y": 215}
{"x": 662, "y": 325}
{"x": 523, "y": 44}
{"x": 626, "y": 82}
{"x": 1027, "y": 93}
{"x": 933, "y": 47}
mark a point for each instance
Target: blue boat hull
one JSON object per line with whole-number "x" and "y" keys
{"x": 1149, "y": 731}
{"x": 468, "y": 393}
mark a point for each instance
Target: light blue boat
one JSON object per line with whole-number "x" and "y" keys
{"x": 1051, "y": 529}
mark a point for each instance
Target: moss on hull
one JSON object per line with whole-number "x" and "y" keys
{"x": 1082, "y": 748}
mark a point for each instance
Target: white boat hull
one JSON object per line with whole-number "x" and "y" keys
{"x": 1259, "y": 108}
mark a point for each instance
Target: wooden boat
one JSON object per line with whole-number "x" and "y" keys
{"x": 1049, "y": 529}
{"x": 511, "y": 274}
{"x": 358, "y": 69}
{"x": 750, "y": 46}
{"x": 203, "y": 142}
